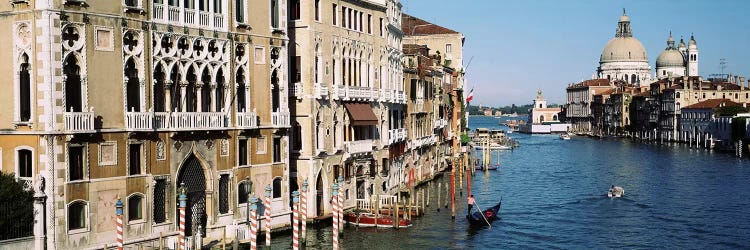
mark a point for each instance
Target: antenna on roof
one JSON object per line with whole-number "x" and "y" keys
{"x": 467, "y": 65}
{"x": 723, "y": 64}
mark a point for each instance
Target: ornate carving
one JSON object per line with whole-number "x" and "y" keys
{"x": 178, "y": 145}
{"x": 160, "y": 151}
{"x": 224, "y": 147}
{"x": 209, "y": 144}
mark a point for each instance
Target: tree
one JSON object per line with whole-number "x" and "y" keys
{"x": 16, "y": 208}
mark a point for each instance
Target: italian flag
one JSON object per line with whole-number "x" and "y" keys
{"x": 470, "y": 96}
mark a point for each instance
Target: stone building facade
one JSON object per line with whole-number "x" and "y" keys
{"x": 134, "y": 99}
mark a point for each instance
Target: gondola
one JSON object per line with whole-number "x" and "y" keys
{"x": 491, "y": 214}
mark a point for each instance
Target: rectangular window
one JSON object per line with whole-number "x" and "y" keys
{"x": 75, "y": 162}
{"x": 413, "y": 90}
{"x": 275, "y": 14}
{"x": 261, "y": 145}
{"x": 369, "y": 24}
{"x": 276, "y": 149}
{"x": 360, "y": 28}
{"x": 160, "y": 189}
{"x": 448, "y": 48}
{"x": 344, "y": 24}
{"x": 295, "y": 10}
{"x": 25, "y": 89}
{"x": 317, "y": 10}
{"x": 297, "y": 69}
{"x": 349, "y": 19}
{"x": 334, "y": 14}
{"x": 381, "y": 26}
{"x": 25, "y": 161}
{"x": 217, "y": 6}
{"x": 134, "y": 159}
{"x": 242, "y": 152}
{"x": 224, "y": 194}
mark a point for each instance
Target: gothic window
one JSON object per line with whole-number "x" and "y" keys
{"x": 241, "y": 91}
{"x": 369, "y": 24}
{"x": 632, "y": 78}
{"x": 334, "y": 14}
{"x": 25, "y": 89}
{"x": 219, "y": 91}
{"x": 159, "y": 93}
{"x": 277, "y": 187}
{"x": 76, "y": 157}
{"x": 25, "y": 163}
{"x": 191, "y": 99}
{"x": 224, "y": 194}
{"x": 206, "y": 91}
{"x": 160, "y": 191}
{"x": 135, "y": 207}
{"x": 73, "y": 97}
{"x": 77, "y": 215}
{"x": 175, "y": 91}
{"x": 132, "y": 87}
{"x": 134, "y": 159}
{"x": 275, "y": 92}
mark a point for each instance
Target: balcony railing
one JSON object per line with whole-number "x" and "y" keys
{"x": 441, "y": 123}
{"x": 321, "y": 91}
{"x": 397, "y": 135}
{"x": 79, "y": 121}
{"x": 356, "y": 147}
{"x": 246, "y": 120}
{"x": 187, "y": 16}
{"x": 280, "y": 119}
{"x": 176, "y": 120}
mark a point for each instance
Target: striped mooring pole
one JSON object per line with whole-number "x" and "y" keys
{"x": 118, "y": 211}
{"x": 253, "y": 223}
{"x": 267, "y": 213}
{"x": 303, "y": 212}
{"x": 295, "y": 220}
{"x": 182, "y": 198}
{"x": 335, "y": 216}
{"x": 341, "y": 206}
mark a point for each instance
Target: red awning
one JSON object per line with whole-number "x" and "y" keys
{"x": 361, "y": 114}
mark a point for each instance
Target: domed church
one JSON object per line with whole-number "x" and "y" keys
{"x": 678, "y": 61}
{"x": 624, "y": 57}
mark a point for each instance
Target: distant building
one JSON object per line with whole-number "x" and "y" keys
{"x": 579, "y": 101}
{"x": 543, "y": 119}
{"x": 624, "y": 57}
{"x": 678, "y": 61}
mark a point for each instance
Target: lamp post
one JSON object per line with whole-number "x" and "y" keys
{"x": 247, "y": 186}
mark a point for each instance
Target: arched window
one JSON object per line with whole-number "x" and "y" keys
{"x": 277, "y": 187}
{"x": 132, "y": 87}
{"x": 73, "y": 96}
{"x": 241, "y": 93}
{"x": 175, "y": 91}
{"x": 243, "y": 192}
{"x": 219, "y": 100}
{"x": 24, "y": 162}
{"x": 297, "y": 136}
{"x": 159, "y": 91}
{"x": 77, "y": 215}
{"x": 275, "y": 92}
{"x": 135, "y": 207}
{"x": 541, "y": 118}
{"x": 191, "y": 97}
{"x": 632, "y": 78}
{"x": 677, "y": 95}
{"x": 554, "y": 117}
{"x": 25, "y": 89}
{"x": 206, "y": 91}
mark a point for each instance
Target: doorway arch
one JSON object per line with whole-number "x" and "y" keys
{"x": 319, "y": 200}
{"x": 192, "y": 175}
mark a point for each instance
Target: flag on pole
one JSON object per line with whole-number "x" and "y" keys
{"x": 470, "y": 96}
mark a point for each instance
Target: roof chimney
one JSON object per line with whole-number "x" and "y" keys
{"x": 742, "y": 82}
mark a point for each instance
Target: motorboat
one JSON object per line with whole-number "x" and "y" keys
{"x": 371, "y": 220}
{"x": 492, "y": 146}
{"x": 484, "y": 217}
{"x": 564, "y": 136}
{"x": 616, "y": 192}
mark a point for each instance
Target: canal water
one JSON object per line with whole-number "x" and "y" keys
{"x": 554, "y": 196}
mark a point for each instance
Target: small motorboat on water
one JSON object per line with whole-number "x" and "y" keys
{"x": 369, "y": 220}
{"x": 489, "y": 167}
{"x": 616, "y": 192}
{"x": 564, "y": 136}
{"x": 493, "y": 146}
{"x": 490, "y": 215}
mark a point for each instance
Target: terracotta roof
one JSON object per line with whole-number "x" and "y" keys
{"x": 591, "y": 83}
{"x": 712, "y": 103}
{"x": 607, "y": 92}
{"x": 414, "y": 26}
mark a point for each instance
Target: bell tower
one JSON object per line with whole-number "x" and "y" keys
{"x": 692, "y": 52}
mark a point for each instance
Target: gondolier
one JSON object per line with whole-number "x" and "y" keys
{"x": 471, "y": 202}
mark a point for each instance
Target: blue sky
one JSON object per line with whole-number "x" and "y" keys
{"x": 519, "y": 45}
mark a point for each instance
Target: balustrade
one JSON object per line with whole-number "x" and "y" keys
{"x": 280, "y": 119}
{"x": 176, "y": 120}
{"x": 246, "y": 120}
{"x": 79, "y": 121}
{"x": 321, "y": 90}
{"x": 360, "y": 146}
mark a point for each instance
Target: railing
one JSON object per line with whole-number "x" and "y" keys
{"x": 189, "y": 16}
{"x": 400, "y": 97}
{"x": 386, "y": 95}
{"x": 280, "y": 119}
{"x": 339, "y": 92}
{"x": 218, "y": 20}
{"x": 246, "y": 120}
{"x": 204, "y": 18}
{"x": 158, "y": 11}
{"x": 79, "y": 121}
{"x": 397, "y": 135}
{"x": 441, "y": 123}
{"x": 139, "y": 120}
{"x": 174, "y": 13}
{"x": 359, "y": 93}
{"x": 175, "y": 120}
{"x": 321, "y": 90}
{"x": 361, "y": 146}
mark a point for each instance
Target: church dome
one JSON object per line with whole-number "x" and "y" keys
{"x": 670, "y": 58}
{"x": 627, "y": 49}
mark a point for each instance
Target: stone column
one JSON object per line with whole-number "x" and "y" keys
{"x": 39, "y": 214}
